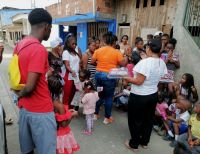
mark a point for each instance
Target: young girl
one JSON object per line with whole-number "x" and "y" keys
{"x": 84, "y": 75}
{"x": 66, "y": 143}
{"x": 185, "y": 88}
{"x": 89, "y": 103}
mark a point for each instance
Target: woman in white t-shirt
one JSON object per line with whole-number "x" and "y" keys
{"x": 71, "y": 61}
{"x": 143, "y": 97}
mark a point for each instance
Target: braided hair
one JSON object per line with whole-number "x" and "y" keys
{"x": 55, "y": 85}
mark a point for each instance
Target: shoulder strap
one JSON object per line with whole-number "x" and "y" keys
{"x": 24, "y": 47}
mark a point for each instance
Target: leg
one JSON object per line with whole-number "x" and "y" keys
{"x": 176, "y": 128}
{"x": 25, "y": 135}
{"x": 69, "y": 90}
{"x": 43, "y": 127}
{"x": 92, "y": 121}
{"x": 88, "y": 123}
{"x": 149, "y": 111}
{"x": 184, "y": 140}
{"x": 135, "y": 119}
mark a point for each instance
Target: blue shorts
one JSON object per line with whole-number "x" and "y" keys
{"x": 37, "y": 130}
{"x": 183, "y": 128}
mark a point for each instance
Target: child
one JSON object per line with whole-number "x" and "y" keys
{"x": 84, "y": 75}
{"x": 185, "y": 88}
{"x": 179, "y": 121}
{"x": 121, "y": 99}
{"x": 192, "y": 139}
{"x": 66, "y": 142}
{"x": 89, "y": 103}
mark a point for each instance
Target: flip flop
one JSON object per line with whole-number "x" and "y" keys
{"x": 9, "y": 121}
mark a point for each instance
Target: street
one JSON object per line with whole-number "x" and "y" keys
{"x": 108, "y": 139}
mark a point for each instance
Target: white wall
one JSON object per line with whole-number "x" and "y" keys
{"x": 54, "y": 34}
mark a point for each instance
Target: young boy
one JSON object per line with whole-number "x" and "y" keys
{"x": 179, "y": 121}
{"x": 191, "y": 139}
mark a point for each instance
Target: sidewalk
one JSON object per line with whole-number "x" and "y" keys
{"x": 107, "y": 139}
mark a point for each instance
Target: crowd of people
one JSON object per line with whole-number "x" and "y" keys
{"x": 59, "y": 82}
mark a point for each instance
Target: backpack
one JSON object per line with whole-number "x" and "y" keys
{"x": 14, "y": 71}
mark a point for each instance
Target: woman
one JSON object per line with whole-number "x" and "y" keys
{"x": 124, "y": 44}
{"x": 106, "y": 59}
{"x": 87, "y": 57}
{"x": 55, "y": 56}
{"x": 71, "y": 61}
{"x": 143, "y": 97}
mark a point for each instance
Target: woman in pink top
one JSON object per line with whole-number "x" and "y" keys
{"x": 89, "y": 103}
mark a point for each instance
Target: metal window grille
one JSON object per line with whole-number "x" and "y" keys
{"x": 192, "y": 20}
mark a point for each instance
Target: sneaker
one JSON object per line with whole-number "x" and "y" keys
{"x": 96, "y": 117}
{"x": 108, "y": 120}
{"x": 168, "y": 138}
{"x": 85, "y": 132}
{"x": 173, "y": 144}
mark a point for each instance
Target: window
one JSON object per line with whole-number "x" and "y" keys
{"x": 145, "y": 3}
{"x": 162, "y": 2}
{"x": 11, "y": 36}
{"x": 137, "y": 4}
{"x": 153, "y": 2}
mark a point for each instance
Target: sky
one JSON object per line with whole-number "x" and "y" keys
{"x": 26, "y": 4}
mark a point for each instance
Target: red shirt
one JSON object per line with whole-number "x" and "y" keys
{"x": 33, "y": 57}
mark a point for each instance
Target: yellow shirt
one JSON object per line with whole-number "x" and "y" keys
{"x": 195, "y": 126}
{"x": 107, "y": 58}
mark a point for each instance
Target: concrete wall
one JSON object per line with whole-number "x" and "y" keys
{"x": 188, "y": 50}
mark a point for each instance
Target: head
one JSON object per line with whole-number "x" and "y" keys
{"x": 124, "y": 39}
{"x": 165, "y": 39}
{"x": 181, "y": 149}
{"x": 183, "y": 104}
{"x": 169, "y": 47}
{"x": 158, "y": 35}
{"x": 55, "y": 85}
{"x": 56, "y": 45}
{"x": 88, "y": 87}
{"x": 139, "y": 44}
{"x": 197, "y": 108}
{"x": 70, "y": 43}
{"x": 41, "y": 23}
{"x": 84, "y": 75}
{"x": 173, "y": 41}
{"x": 97, "y": 42}
{"x": 92, "y": 46}
{"x": 110, "y": 39}
{"x": 187, "y": 80}
{"x": 154, "y": 47}
{"x": 149, "y": 37}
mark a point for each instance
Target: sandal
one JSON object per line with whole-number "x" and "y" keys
{"x": 126, "y": 143}
{"x": 9, "y": 121}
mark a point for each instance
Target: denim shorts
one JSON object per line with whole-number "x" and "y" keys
{"x": 37, "y": 130}
{"x": 182, "y": 129}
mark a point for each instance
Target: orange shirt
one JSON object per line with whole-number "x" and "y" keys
{"x": 107, "y": 58}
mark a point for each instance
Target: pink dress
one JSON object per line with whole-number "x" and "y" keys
{"x": 66, "y": 143}
{"x": 161, "y": 109}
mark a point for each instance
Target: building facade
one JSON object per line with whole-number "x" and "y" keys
{"x": 85, "y": 18}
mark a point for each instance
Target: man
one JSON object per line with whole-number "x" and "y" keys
{"x": 37, "y": 125}
{"x": 1, "y": 52}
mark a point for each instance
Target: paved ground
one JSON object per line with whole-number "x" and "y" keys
{"x": 107, "y": 139}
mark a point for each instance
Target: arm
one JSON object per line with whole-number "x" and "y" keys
{"x": 195, "y": 94}
{"x": 189, "y": 134}
{"x": 175, "y": 120}
{"x": 138, "y": 80}
{"x": 67, "y": 65}
{"x": 30, "y": 85}
{"x": 93, "y": 61}
{"x": 1, "y": 52}
{"x": 85, "y": 61}
{"x": 124, "y": 62}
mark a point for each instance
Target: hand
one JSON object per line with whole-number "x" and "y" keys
{"x": 128, "y": 80}
{"x": 74, "y": 74}
{"x": 73, "y": 112}
{"x": 193, "y": 89}
{"x": 50, "y": 71}
{"x": 197, "y": 142}
{"x": 16, "y": 92}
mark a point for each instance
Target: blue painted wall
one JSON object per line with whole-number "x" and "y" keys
{"x": 7, "y": 14}
{"x": 82, "y": 36}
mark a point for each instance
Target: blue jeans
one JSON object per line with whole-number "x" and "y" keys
{"x": 106, "y": 96}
